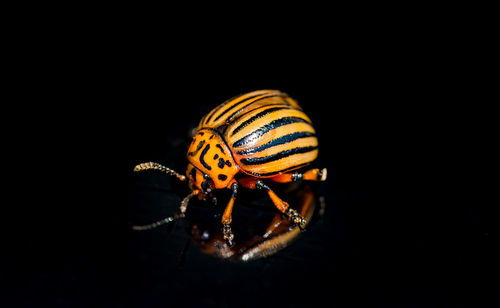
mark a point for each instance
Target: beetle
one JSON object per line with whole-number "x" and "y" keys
{"x": 249, "y": 139}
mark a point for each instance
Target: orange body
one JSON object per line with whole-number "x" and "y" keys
{"x": 259, "y": 135}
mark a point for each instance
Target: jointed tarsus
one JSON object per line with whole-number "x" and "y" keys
{"x": 180, "y": 214}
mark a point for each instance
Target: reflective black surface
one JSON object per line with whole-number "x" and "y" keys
{"x": 396, "y": 231}
{"x": 260, "y": 229}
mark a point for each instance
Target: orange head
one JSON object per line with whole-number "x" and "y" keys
{"x": 211, "y": 162}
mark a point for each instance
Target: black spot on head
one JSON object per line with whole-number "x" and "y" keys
{"x": 220, "y": 148}
{"x": 222, "y": 177}
{"x": 198, "y": 147}
{"x": 202, "y": 157}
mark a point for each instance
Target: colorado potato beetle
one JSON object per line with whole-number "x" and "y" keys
{"x": 249, "y": 139}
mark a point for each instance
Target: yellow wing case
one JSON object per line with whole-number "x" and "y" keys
{"x": 266, "y": 130}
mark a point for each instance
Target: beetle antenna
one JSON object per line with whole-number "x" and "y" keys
{"x": 180, "y": 214}
{"x": 156, "y": 166}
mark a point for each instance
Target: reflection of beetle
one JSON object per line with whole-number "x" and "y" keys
{"x": 260, "y": 234}
{"x": 255, "y": 136}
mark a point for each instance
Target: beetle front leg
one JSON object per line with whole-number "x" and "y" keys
{"x": 178, "y": 215}
{"x": 227, "y": 216}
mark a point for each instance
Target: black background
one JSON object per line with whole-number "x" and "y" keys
{"x": 399, "y": 229}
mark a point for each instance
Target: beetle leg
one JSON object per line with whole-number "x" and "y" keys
{"x": 227, "y": 217}
{"x": 310, "y": 175}
{"x": 180, "y": 214}
{"x": 283, "y": 206}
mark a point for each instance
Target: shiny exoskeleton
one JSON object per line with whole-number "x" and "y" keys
{"x": 249, "y": 139}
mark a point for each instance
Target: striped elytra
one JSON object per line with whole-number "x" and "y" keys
{"x": 266, "y": 132}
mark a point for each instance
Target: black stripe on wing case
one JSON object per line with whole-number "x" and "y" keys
{"x": 278, "y": 141}
{"x": 239, "y": 110}
{"x": 273, "y": 157}
{"x": 267, "y": 127}
{"x": 236, "y": 105}
{"x": 240, "y": 115}
{"x": 255, "y": 117}
{"x": 211, "y": 114}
